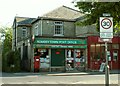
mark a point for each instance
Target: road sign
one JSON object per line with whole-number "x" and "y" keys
{"x": 105, "y": 40}
{"x": 106, "y": 27}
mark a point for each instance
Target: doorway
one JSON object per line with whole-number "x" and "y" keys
{"x": 57, "y": 57}
{"x": 113, "y": 59}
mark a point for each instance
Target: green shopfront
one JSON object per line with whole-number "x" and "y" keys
{"x": 60, "y": 54}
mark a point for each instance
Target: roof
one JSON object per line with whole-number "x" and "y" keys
{"x": 23, "y": 20}
{"x": 64, "y": 12}
{"x": 83, "y": 31}
{"x": 26, "y": 21}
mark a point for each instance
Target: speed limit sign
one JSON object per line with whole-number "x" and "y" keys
{"x": 106, "y": 23}
{"x": 106, "y": 27}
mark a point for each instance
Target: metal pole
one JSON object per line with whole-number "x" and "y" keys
{"x": 106, "y": 68}
{"x": 15, "y": 32}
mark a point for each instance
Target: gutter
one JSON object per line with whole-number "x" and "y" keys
{"x": 41, "y": 25}
{"x": 54, "y": 19}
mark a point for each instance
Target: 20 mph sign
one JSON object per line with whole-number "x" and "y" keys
{"x": 106, "y": 27}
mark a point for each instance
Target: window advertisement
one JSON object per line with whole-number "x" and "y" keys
{"x": 109, "y": 56}
{"x": 44, "y": 58}
{"x": 115, "y": 55}
{"x": 70, "y": 59}
{"x": 80, "y": 60}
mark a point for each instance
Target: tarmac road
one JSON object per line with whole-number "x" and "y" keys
{"x": 57, "y": 78}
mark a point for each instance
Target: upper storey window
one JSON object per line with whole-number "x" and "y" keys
{"x": 36, "y": 29}
{"x": 24, "y": 32}
{"x": 58, "y": 28}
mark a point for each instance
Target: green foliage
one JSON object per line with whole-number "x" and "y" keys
{"x": 3, "y": 30}
{"x": 94, "y": 10}
{"x": 7, "y": 43}
{"x": 11, "y": 61}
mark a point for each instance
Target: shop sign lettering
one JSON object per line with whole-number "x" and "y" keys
{"x": 58, "y": 46}
{"x": 57, "y": 41}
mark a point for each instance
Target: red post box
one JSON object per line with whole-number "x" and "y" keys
{"x": 36, "y": 63}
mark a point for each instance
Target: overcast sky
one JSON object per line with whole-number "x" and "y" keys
{"x": 28, "y": 8}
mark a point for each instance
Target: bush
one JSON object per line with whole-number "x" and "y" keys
{"x": 11, "y": 61}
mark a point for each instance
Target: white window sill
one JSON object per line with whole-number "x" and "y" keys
{"x": 58, "y": 35}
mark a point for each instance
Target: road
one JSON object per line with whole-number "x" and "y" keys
{"x": 57, "y": 79}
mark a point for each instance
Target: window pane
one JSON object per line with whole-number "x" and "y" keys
{"x": 109, "y": 46}
{"x": 24, "y": 32}
{"x": 115, "y": 46}
{"x": 115, "y": 55}
{"x": 92, "y": 51}
{"x": 58, "y": 28}
{"x": 103, "y": 51}
{"x": 58, "y": 22}
{"x": 98, "y": 52}
{"x": 36, "y": 29}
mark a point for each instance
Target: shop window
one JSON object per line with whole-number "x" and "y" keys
{"x": 102, "y": 52}
{"x": 109, "y": 46}
{"x": 70, "y": 59}
{"x": 92, "y": 51}
{"x": 43, "y": 53}
{"x": 44, "y": 57}
{"x": 115, "y": 46}
{"x": 97, "y": 56}
{"x": 97, "y": 52}
{"x": 115, "y": 55}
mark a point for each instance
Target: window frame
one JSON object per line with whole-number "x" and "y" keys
{"x": 24, "y": 32}
{"x": 36, "y": 29}
{"x": 60, "y": 24}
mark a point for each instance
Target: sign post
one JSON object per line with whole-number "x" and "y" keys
{"x": 106, "y": 33}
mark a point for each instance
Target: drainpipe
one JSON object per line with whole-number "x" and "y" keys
{"x": 15, "y": 32}
{"x": 41, "y": 25}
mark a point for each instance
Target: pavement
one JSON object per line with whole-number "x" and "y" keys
{"x": 81, "y": 73}
{"x": 69, "y": 73}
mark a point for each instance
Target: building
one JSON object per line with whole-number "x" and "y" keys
{"x": 53, "y": 42}
{"x": 96, "y": 53}
{"x": 22, "y": 39}
{"x": 51, "y": 38}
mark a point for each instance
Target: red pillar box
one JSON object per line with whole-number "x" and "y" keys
{"x": 36, "y": 63}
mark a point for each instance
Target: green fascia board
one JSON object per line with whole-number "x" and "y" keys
{"x": 59, "y": 41}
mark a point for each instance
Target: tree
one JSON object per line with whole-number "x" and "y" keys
{"x": 7, "y": 46}
{"x": 94, "y": 10}
{"x": 10, "y": 59}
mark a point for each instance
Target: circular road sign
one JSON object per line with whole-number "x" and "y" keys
{"x": 106, "y": 23}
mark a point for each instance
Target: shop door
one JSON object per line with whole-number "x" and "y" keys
{"x": 58, "y": 57}
{"x": 113, "y": 62}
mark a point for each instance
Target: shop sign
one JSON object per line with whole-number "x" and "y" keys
{"x": 58, "y": 41}
{"x": 59, "y": 46}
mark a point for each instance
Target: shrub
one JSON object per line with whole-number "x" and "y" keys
{"x": 11, "y": 61}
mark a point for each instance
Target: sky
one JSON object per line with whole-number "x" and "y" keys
{"x": 28, "y": 8}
